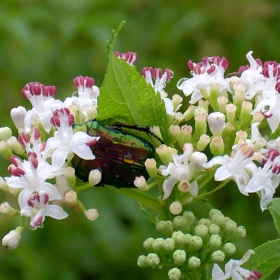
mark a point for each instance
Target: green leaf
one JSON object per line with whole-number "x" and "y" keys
{"x": 266, "y": 258}
{"x": 275, "y": 212}
{"x": 126, "y": 97}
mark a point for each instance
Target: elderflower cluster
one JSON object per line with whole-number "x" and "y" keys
{"x": 229, "y": 130}
{"x": 192, "y": 244}
{"x": 40, "y": 171}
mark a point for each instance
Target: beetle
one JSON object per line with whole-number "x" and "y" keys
{"x": 119, "y": 155}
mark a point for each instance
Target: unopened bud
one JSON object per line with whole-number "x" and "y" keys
{"x": 180, "y": 223}
{"x": 215, "y": 241}
{"x": 218, "y": 219}
{"x": 189, "y": 215}
{"x": 158, "y": 244}
{"x": 13, "y": 143}
{"x": 91, "y": 214}
{"x": 148, "y": 244}
{"x": 203, "y": 141}
{"x": 153, "y": 260}
{"x": 5, "y": 208}
{"x": 201, "y": 230}
{"x": 142, "y": 261}
{"x": 205, "y": 222}
{"x": 200, "y": 124}
{"x": 216, "y": 122}
{"x": 3, "y": 185}
{"x": 230, "y": 112}
{"x": 214, "y": 229}
{"x": 179, "y": 239}
{"x": 189, "y": 113}
{"x": 11, "y": 240}
{"x": 222, "y": 102}
{"x": 197, "y": 160}
{"x": 151, "y": 167}
{"x": 168, "y": 245}
{"x": 71, "y": 197}
{"x": 194, "y": 263}
{"x": 229, "y": 249}
{"x": 185, "y": 135}
{"x": 218, "y": 256}
{"x": 217, "y": 146}
{"x": 174, "y": 131}
{"x": 195, "y": 243}
{"x": 176, "y": 207}
{"x": 240, "y": 232}
{"x": 164, "y": 153}
{"x": 94, "y": 177}
{"x": 5, "y": 133}
{"x": 18, "y": 116}
{"x": 174, "y": 274}
{"x": 69, "y": 174}
{"x": 230, "y": 227}
{"x": 141, "y": 183}
{"x": 165, "y": 227}
{"x": 179, "y": 257}
{"x": 5, "y": 151}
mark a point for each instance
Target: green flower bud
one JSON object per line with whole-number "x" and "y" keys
{"x": 230, "y": 112}
{"x": 158, "y": 244}
{"x": 213, "y": 212}
{"x": 164, "y": 153}
{"x": 201, "y": 230}
{"x": 229, "y": 248}
{"x": 151, "y": 167}
{"x": 214, "y": 91}
{"x": 5, "y": 133}
{"x": 168, "y": 245}
{"x": 222, "y": 102}
{"x": 189, "y": 113}
{"x": 206, "y": 222}
{"x": 217, "y": 146}
{"x": 200, "y": 124}
{"x": 194, "y": 263}
{"x": 195, "y": 243}
{"x": 214, "y": 229}
{"x": 218, "y": 256}
{"x": 142, "y": 261}
{"x": 179, "y": 257}
{"x": 180, "y": 223}
{"x": 218, "y": 219}
{"x": 189, "y": 215}
{"x": 230, "y": 226}
{"x": 185, "y": 135}
{"x": 13, "y": 143}
{"x": 153, "y": 260}
{"x": 240, "y": 232}
{"x": 173, "y": 133}
{"x": 148, "y": 244}
{"x": 188, "y": 238}
{"x": 5, "y": 151}
{"x": 245, "y": 114}
{"x": 165, "y": 227}
{"x": 203, "y": 141}
{"x": 174, "y": 274}
{"x": 215, "y": 241}
{"x": 179, "y": 239}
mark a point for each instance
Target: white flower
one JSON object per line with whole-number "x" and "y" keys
{"x": 208, "y": 72}
{"x": 31, "y": 176}
{"x": 179, "y": 170}
{"x": 65, "y": 141}
{"x": 265, "y": 181}
{"x": 234, "y": 271}
{"x": 38, "y": 208}
{"x": 235, "y": 167}
{"x": 87, "y": 94}
{"x": 43, "y": 104}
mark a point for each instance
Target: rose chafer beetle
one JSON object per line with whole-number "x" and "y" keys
{"x": 119, "y": 154}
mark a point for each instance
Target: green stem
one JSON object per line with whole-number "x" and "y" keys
{"x": 214, "y": 190}
{"x": 141, "y": 197}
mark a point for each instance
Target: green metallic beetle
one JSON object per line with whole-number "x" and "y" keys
{"x": 119, "y": 154}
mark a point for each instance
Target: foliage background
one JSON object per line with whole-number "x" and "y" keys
{"x": 53, "y": 41}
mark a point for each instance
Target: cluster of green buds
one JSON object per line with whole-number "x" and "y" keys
{"x": 192, "y": 245}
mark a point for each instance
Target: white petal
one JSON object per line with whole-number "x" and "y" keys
{"x": 168, "y": 186}
{"x": 55, "y": 212}
{"x": 58, "y": 158}
{"x": 84, "y": 152}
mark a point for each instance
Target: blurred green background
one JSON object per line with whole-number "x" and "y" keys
{"x": 53, "y": 41}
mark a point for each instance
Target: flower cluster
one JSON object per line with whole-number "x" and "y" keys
{"x": 219, "y": 127}
{"x": 191, "y": 243}
{"x": 41, "y": 156}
